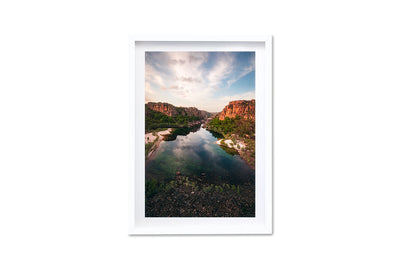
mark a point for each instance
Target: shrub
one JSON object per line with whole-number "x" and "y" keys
{"x": 151, "y": 188}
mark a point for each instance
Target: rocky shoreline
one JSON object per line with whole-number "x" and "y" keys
{"x": 187, "y": 197}
{"x": 241, "y": 150}
{"x": 154, "y": 143}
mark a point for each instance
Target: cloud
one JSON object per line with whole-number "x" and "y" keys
{"x": 217, "y": 104}
{"x": 186, "y": 69}
{"x": 193, "y": 58}
{"x": 194, "y": 78}
{"x": 244, "y": 72}
{"x": 243, "y": 96}
{"x": 221, "y": 70}
{"x": 173, "y": 87}
{"x": 174, "y": 61}
{"x": 188, "y": 79}
{"x": 153, "y": 76}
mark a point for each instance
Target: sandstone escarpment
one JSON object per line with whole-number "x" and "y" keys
{"x": 171, "y": 110}
{"x": 165, "y": 108}
{"x": 243, "y": 108}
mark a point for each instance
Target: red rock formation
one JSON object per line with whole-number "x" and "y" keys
{"x": 171, "y": 110}
{"x": 243, "y": 108}
{"x": 165, "y": 108}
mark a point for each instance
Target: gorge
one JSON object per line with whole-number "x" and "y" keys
{"x": 201, "y": 171}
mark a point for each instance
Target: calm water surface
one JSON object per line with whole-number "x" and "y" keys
{"x": 197, "y": 155}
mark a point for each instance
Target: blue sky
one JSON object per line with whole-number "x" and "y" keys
{"x": 206, "y": 80}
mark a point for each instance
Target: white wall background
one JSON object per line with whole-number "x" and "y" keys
{"x": 64, "y": 132}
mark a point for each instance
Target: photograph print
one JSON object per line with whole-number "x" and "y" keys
{"x": 200, "y": 134}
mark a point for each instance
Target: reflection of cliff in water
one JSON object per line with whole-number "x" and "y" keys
{"x": 215, "y": 134}
{"x": 196, "y": 155}
{"x": 181, "y": 131}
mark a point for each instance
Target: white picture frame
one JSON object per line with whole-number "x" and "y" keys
{"x": 262, "y": 222}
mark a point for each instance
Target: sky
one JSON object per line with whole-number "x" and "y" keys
{"x": 205, "y": 80}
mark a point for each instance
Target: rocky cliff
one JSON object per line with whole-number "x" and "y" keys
{"x": 243, "y": 108}
{"x": 171, "y": 110}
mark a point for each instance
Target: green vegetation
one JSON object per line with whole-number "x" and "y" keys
{"x": 249, "y": 152}
{"x": 238, "y": 125}
{"x": 155, "y": 120}
{"x": 149, "y": 146}
{"x": 180, "y": 131}
{"x": 237, "y": 129}
{"x": 229, "y": 150}
{"x": 152, "y": 188}
{"x": 215, "y": 134}
{"x": 159, "y": 129}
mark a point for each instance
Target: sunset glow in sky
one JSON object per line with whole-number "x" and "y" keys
{"x": 206, "y": 80}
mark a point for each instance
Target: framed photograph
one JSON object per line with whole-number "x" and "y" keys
{"x": 200, "y": 135}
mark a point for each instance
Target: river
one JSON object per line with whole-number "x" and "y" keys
{"x": 197, "y": 155}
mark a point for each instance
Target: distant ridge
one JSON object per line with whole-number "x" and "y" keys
{"x": 171, "y": 110}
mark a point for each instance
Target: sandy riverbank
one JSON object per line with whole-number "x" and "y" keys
{"x": 244, "y": 154}
{"x": 150, "y": 137}
{"x": 156, "y": 140}
{"x": 230, "y": 144}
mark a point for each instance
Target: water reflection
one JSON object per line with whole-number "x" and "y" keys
{"x": 196, "y": 154}
{"x": 181, "y": 131}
